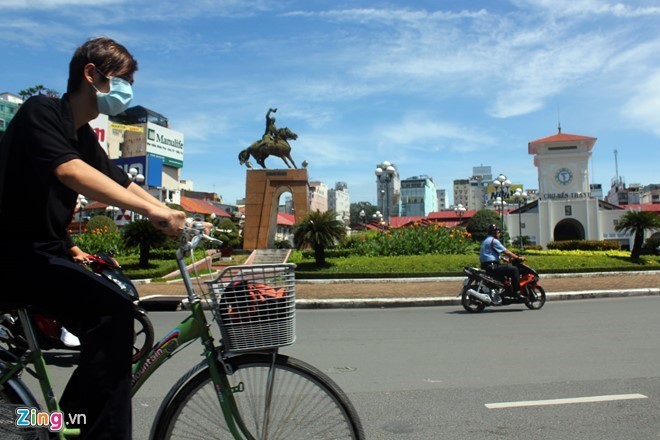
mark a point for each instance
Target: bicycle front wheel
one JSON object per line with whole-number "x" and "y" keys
{"x": 305, "y": 404}
{"x": 14, "y": 394}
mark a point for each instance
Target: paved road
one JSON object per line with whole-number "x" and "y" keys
{"x": 431, "y": 291}
{"x": 428, "y": 373}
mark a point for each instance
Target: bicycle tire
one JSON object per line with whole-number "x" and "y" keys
{"x": 143, "y": 336}
{"x": 15, "y": 394}
{"x": 306, "y": 404}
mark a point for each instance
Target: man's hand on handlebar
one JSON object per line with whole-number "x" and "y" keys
{"x": 170, "y": 221}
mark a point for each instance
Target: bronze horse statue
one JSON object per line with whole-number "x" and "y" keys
{"x": 265, "y": 147}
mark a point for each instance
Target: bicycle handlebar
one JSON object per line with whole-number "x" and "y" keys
{"x": 195, "y": 233}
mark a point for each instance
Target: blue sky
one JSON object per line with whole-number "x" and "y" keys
{"x": 436, "y": 87}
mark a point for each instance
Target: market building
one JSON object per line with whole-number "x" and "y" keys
{"x": 565, "y": 209}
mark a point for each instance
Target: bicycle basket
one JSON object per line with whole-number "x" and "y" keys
{"x": 255, "y": 306}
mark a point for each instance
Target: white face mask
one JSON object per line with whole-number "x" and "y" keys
{"x": 117, "y": 99}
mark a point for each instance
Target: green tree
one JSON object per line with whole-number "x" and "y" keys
{"x": 478, "y": 224}
{"x": 145, "y": 236}
{"x": 38, "y": 90}
{"x": 227, "y": 231}
{"x": 318, "y": 230}
{"x": 637, "y": 222}
{"x": 355, "y": 209}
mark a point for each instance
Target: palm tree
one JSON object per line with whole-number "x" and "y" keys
{"x": 144, "y": 235}
{"x": 638, "y": 222}
{"x": 318, "y": 230}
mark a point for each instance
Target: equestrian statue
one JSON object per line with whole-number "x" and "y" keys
{"x": 274, "y": 142}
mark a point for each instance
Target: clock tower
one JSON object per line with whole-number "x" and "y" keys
{"x": 562, "y": 161}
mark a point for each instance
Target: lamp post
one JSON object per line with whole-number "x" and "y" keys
{"x": 135, "y": 177}
{"x": 384, "y": 173}
{"x": 502, "y": 185}
{"x": 378, "y": 218}
{"x": 111, "y": 211}
{"x": 362, "y": 216}
{"x": 459, "y": 210}
{"x": 520, "y": 197}
{"x": 81, "y": 202}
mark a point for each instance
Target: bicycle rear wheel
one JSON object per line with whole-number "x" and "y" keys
{"x": 306, "y": 404}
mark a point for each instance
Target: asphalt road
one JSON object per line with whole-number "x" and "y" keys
{"x": 436, "y": 372}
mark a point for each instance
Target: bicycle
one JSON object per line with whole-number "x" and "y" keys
{"x": 243, "y": 389}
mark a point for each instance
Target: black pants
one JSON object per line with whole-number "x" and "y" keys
{"x": 94, "y": 309}
{"x": 501, "y": 271}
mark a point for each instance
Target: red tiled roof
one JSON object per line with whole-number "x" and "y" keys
{"x": 285, "y": 219}
{"x": 198, "y": 206}
{"x": 532, "y": 147}
{"x": 652, "y": 207}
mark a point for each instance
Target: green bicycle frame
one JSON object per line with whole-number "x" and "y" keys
{"x": 192, "y": 327}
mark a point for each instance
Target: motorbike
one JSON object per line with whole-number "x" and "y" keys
{"x": 48, "y": 329}
{"x": 481, "y": 290}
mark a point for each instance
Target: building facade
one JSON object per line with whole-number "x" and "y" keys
{"x": 339, "y": 201}
{"x": 318, "y": 196}
{"x": 565, "y": 209}
{"x": 418, "y": 196}
{"x": 9, "y": 104}
{"x": 388, "y": 190}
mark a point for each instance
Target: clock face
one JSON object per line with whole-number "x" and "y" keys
{"x": 564, "y": 176}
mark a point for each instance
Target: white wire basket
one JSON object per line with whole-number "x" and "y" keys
{"x": 255, "y": 306}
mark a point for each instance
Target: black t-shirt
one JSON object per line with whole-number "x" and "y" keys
{"x": 34, "y": 205}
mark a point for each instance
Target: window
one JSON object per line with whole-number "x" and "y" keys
{"x": 568, "y": 210}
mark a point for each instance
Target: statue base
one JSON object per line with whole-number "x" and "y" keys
{"x": 262, "y": 195}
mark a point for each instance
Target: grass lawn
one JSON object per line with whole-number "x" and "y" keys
{"x": 421, "y": 265}
{"x": 452, "y": 265}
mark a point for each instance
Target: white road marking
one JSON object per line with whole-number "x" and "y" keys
{"x": 565, "y": 401}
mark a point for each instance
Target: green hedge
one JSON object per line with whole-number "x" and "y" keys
{"x": 585, "y": 245}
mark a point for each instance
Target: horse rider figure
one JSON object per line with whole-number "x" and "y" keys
{"x": 270, "y": 135}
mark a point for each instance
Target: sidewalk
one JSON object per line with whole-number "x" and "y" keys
{"x": 401, "y": 292}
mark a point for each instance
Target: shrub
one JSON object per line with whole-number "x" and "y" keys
{"x": 416, "y": 240}
{"x": 100, "y": 240}
{"x": 102, "y": 223}
{"x": 282, "y": 244}
{"x": 584, "y": 245}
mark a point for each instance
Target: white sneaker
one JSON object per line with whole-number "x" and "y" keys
{"x": 69, "y": 339}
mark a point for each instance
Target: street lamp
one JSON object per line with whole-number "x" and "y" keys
{"x": 378, "y": 218}
{"x": 500, "y": 206}
{"x": 81, "y": 202}
{"x": 501, "y": 193}
{"x": 384, "y": 173}
{"x": 520, "y": 197}
{"x": 135, "y": 177}
{"x": 459, "y": 210}
{"x": 362, "y": 216}
{"x": 111, "y": 211}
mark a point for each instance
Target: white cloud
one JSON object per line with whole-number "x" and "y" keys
{"x": 643, "y": 108}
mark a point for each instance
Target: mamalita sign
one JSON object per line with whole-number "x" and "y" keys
{"x": 166, "y": 144}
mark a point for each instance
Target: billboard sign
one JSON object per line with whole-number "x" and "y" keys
{"x": 151, "y": 167}
{"x": 166, "y": 144}
{"x": 100, "y": 128}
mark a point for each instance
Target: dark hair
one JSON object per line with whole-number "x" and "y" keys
{"x": 106, "y": 54}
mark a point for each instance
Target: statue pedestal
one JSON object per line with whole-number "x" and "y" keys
{"x": 262, "y": 194}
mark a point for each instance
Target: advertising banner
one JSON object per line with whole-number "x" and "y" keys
{"x": 150, "y": 167}
{"x": 166, "y": 144}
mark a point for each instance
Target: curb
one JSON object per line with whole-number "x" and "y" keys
{"x": 174, "y": 303}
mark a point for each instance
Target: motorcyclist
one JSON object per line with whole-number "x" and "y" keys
{"x": 489, "y": 257}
